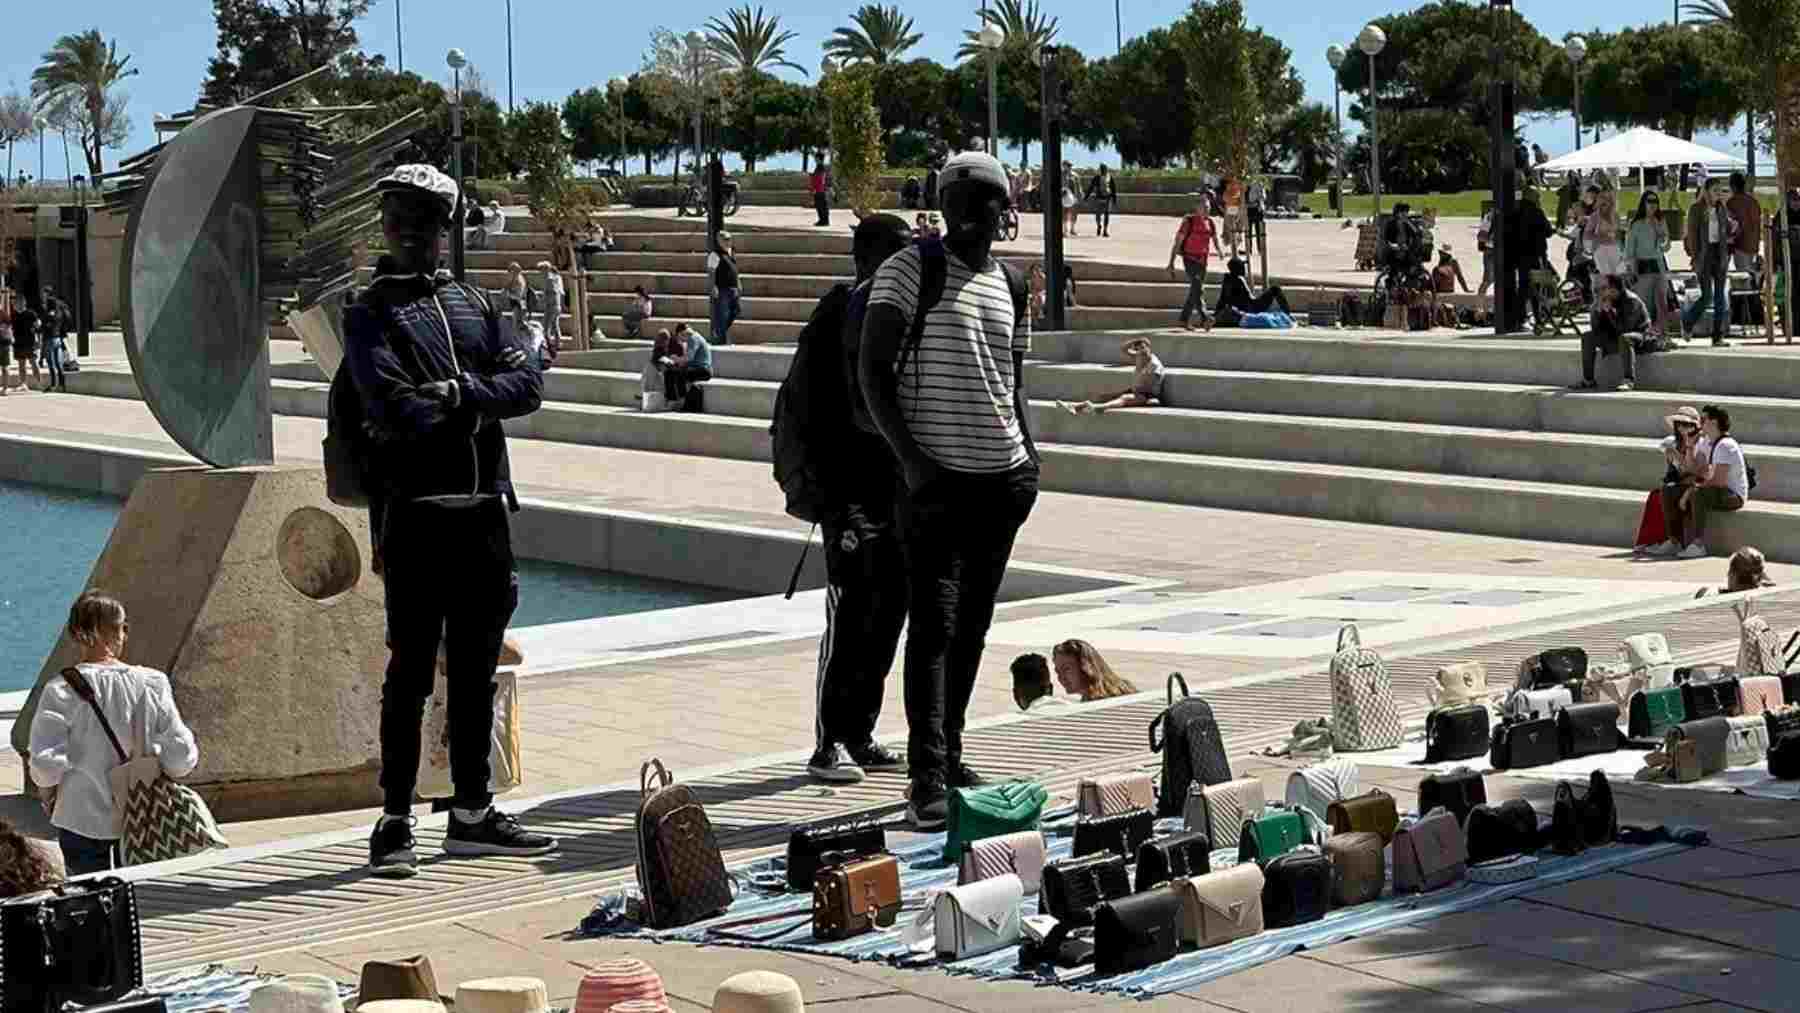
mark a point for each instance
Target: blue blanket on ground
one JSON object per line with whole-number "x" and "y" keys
{"x": 783, "y": 921}
{"x": 213, "y": 988}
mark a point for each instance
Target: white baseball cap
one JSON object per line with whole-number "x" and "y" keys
{"x": 976, "y": 165}
{"x": 424, "y": 178}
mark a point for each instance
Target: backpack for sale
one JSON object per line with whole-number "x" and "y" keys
{"x": 1192, "y": 748}
{"x": 810, "y": 405}
{"x": 1363, "y": 713}
{"x": 680, "y": 871}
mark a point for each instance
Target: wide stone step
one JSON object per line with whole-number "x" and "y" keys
{"x": 839, "y": 265}
{"x": 755, "y": 307}
{"x": 1128, "y": 204}
{"x": 666, "y": 283}
{"x": 743, "y": 332}
{"x": 745, "y": 242}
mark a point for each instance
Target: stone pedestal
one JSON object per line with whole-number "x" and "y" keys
{"x": 253, "y": 592}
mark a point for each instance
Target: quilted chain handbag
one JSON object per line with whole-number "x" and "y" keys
{"x": 1524, "y": 743}
{"x": 76, "y": 943}
{"x": 1358, "y": 866}
{"x": 1119, "y": 834}
{"x": 1429, "y": 854}
{"x": 1296, "y": 889}
{"x": 1314, "y": 788}
{"x": 1270, "y": 835}
{"x": 1219, "y": 810}
{"x": 1363, "y": 713}
{"x": 1176, "y": 856}
{"x": 1716, "y": 698}
{"x": 1459, "y": 791}
{"x": 1556, "y": 667}
{"x": 1374, "y": 812}
{"x": 1498, "y": 831}
{"x": 1021, "y": 854}
{"x": 1110, "y": 796}
{"x": 1759, "y": 693}
{"x": 990, "y": 811}
{"x": 680, "y": 871}
{"x": 1221, "y": 906}
{"x": 1136, "y": 932}
{"x": 1458, "y": 684}
{"x": 1584, "y": 818}
{"x": 1655, "y": 711}
{"x": 1746, "y": 741}
{"x": 1456, "y": 733}
{"x": 1585, "y": 729}
{"x": 1074, "y": 887}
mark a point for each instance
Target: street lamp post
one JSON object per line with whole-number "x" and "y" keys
{"x": 621, "y": 84}
{"x": 457, "y": 62}
{"x": 1371, "y": 41}
{"x": 399, "y": 39}
{"x": 509, "y": 72}
{"x": 1576, "y": 50}
{"x": 1334, "y": 55}
{"x": 990, "y": 39}
{"x": 695, "y": 46}
{"x": 41, "y": 124}
{"x": 82, "y": 300}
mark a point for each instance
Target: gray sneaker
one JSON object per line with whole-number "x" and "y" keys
{"x": 833, "y": 764}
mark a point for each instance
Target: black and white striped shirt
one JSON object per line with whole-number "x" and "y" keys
{"x": 956, "y": 390}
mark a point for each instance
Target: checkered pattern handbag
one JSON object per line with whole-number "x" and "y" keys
{"x": 1759, "y": 648}
{"x": 1363, "y": 713}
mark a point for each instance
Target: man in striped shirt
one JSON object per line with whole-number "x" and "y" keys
{"x": 946, "y": 392}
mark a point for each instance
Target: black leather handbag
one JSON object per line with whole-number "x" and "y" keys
{"x": 1584, "y": 729}
{"x": 1500, "y": 831}
{"x": 1456, "y": 733}
{"x": 1583, "y": 817}
{"x": 1132, "y": 933}
{"x": 1296, "y": 889}
{"x": 1790, "y": 688}
{"x": 1530, "y": 742}
{"x": 76, "y": 943}
{"x": 807, "y": 845}
{"x": 1459, "y": 791}
{"x": 1074, "y": 887}
{"x": 1702, "y": 673}
{"x": 1176, "y": 856}
{"x": 1717, "y": 698}
{"x": 1781, "y": 722}
{"x": 1784, "y": 757}
{"x": 1120, "y": 834}
{"x": 1552, "y": 668}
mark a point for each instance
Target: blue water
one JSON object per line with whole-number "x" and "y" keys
{"x": 49, "y": 540}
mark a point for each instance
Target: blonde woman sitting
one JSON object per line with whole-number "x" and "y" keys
{"x": 1084, "y": 673}
{"x": 1146, "y": 383}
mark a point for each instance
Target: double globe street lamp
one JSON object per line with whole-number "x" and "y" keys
{"x": 990, "y": 39}
{"x": 1372, "y": 40}
{"x": 1576, "y": 50}
{"x": 1334, "y": 55}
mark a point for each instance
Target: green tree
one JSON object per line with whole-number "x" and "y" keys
{"x": 855, "y": 138}
{"x": 876, "y": 34}
{"x": 87, "y": 67}
{"x": 1304, "y": 140}
{"x": 16, "y": 123}
{"x": 1766, "y": 39}
{"x": 1140, "y": 98}
{"x": 681, "y": 72}
{"x": 1665, "y": 76}
{"x": 750, "y": 44}
{"x": 263, "y": 43}
{"x": 1020, "y": 22}
{"x": 1222, "y": 84}
{"x": 1425, "y": 151}
{"x": 1440, "y": 56}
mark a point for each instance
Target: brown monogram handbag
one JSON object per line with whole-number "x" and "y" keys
{"x": 856, "y": 896}
{"x": 679, "y": 868}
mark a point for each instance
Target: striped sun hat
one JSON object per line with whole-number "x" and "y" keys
{"x": 617, "y": 981}
{"x": 641, "y": 1006}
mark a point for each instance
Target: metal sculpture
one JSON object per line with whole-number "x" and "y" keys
{"x": 247, "y": 216}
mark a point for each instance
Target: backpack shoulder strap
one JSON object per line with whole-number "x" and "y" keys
{"x": 1018, "y": 286}
{"x": 934, "y": 267}
{"x": 79, "y": 684}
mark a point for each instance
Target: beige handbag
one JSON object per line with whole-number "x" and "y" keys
{"x": 1430, "y": 854}
{"x": 505, "y": 762}
{"x": 1110, "y": 796}
{"x": 1221, "y": 809}
{"x": 1221, "y": 906}
{"x": 1759, "y": 693}
{"x": 1462, "y": 683}
{"x": 1605, "y": 686}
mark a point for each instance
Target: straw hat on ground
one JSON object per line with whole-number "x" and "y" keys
{"x": 503, "y": 995}
{"x": 401, "y": 1006}
{"x": 401, "y": 978}
{"x": 759, "y": 992}
{"x": 641, "y": 1006}
{"x": 617, "y": 981}
{"x": 297, "y": 993}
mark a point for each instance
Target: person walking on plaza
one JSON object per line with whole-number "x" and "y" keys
{"x": 436, "y": 375}
{"x": 1601, "y": 232}
{"x": 27, "y": 322}
{"x": 931, "y": 185}
{"x": 89, "y": 714}
{"x": 553, "y": 306}
{"x": 1102, "y": 194}
{"x": 1711, "y": 230}
{"x": 820, "y": 185}
{"x": 1193, "y": 240}
{"x": 726, "y": 303}
{"x": 55, "y": 343}
{"x": 866, "y": 590}
{"x": 1071, "y": 191}
{"x": 1255, "y": 231}
{"x": 1748, "y": 212}
{"x": 8, "y": 309}
{"x": 944, "y": 382}
{"x": 518, "y": 297}
{"x": 1645, "y": 259}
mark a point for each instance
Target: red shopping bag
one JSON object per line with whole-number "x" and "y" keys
{"x": 1651, "y": 529}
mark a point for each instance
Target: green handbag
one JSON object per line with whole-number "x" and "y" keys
{"x": 1271, "y": 835}
{"x": 1652, "y": 712}
{"x": 979, "y": 813}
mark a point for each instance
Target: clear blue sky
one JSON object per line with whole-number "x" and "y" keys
{"x": 562, "y": 45}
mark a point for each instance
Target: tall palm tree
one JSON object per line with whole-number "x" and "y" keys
{"x": 748, "y": 43}
{"x": 876, "y": 34}
{"x": 88, "y": 66}
{"x": 1020, "y": 22}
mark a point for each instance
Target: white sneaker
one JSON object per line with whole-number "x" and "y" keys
{"x": 1668, "y": 548}
{"x": 1694, "y": 551}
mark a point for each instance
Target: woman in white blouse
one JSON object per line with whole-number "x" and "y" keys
{"x": 70, "y": 749}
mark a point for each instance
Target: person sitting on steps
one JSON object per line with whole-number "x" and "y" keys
{"x": 691, "y": 364}
{"x": 1146, "y": 383}
{"x": 1033, "y": 688}
{"x": 1721, "y": 484}
{"x": 1620, "y": 318}
{"x": 1083, "y": 672}
{"x": 1235, "y": 299}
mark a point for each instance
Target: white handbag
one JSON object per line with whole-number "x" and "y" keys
{"x": 1747, "y": 741}
{"x": 1458, "y": 684}
{"x": 1314, "y": 788}
{"x": 1221, "y": 809}
{"x": 1544, "y": 703}
{"x": 1647, "y": 654}
{"x": 978, "y": 918}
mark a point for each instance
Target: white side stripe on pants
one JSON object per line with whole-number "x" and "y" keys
{"x": 827, "y": 644}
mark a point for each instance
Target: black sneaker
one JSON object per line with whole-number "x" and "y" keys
{"x": 928, "y": 805}
{"x": 873, "y": 756}
{"x": 495, "y": 834}
{"x": 962, "y": 776}
{"x": 391, "y": 849}
{"x": 831, "y": 763}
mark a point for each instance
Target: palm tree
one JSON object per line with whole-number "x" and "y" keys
{"x": 1020, "y": 22}
{"x": 748, "y": 43}
{"x": 83, "y": 65}
{"x": 877, "y": 34}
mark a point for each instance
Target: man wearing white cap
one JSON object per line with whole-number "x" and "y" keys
{"x": 942, "y": 369}
{"x": 435, "y": 378}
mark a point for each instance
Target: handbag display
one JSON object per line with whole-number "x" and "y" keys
{"x": 1363, "y": 713}
{"x": 1110, "y": 796}
{"x": 1585, "y": 729}
{"x": 1618, "y": 689}
{"x": 1119, "y": 834}
{"x": 1685, "y": 674}
{"x": 1654, "y": 711}
{"x": 1524, "y": 743}
{"x": 1498, "y": 831}
{"x": 1539, "y": 703}
{"x": 1648, "y": 655}
{"x": 1222, "y": 906}
{"x": 808, "y": 845}
{"x": 1430, "y": 854}
{"x": 991, "y": 810}
{"x": 1715, "y": 699}
{"x": 1192, "y": 748}
{"x": 1358, "y": 868}
{"x": 1135, "y": 932}
{"x": 1314, "y": 788}
{"x": 977, "y": 918}
{"x": 856, "y": 896}
{"x": 1759, "y": 693}
{"x": 1296, "y": 889}
{"x": 1458, "y": 684}
{"x": 680, "y": 871}
{"x": 1746, "y": 741}
{"x": 1459, "y": 791}
{"x": 1374, "y": 812}
{"x": 1456, "y": 733}
{"x": 1219, "y": 810}
{"x": 1021, "y": 854}
{"x": 1784, "y": 757}
{"x": 1781, "y": 721}
{"x": 159, "y": 818}
{"x": 1270, "y": 835}
{"x": 1708, "y": 738}
{"x": 1074, "y": 887}
{"x": 1584, "y": 817}
{"x": 1790, "y": 688}
{"x": 77, "y": 942}
{"x": 1759, "y": 647}
{"x": 1176, "y": 856}
{"x": 1554, "y": 667}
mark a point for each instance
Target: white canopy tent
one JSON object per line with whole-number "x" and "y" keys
{"x": 1641, "y": 148}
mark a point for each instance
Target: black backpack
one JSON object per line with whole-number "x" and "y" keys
{"x": 348, "y": 447}
{"x": 1191, "y": 746}
{"x": 810, "y": 405}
